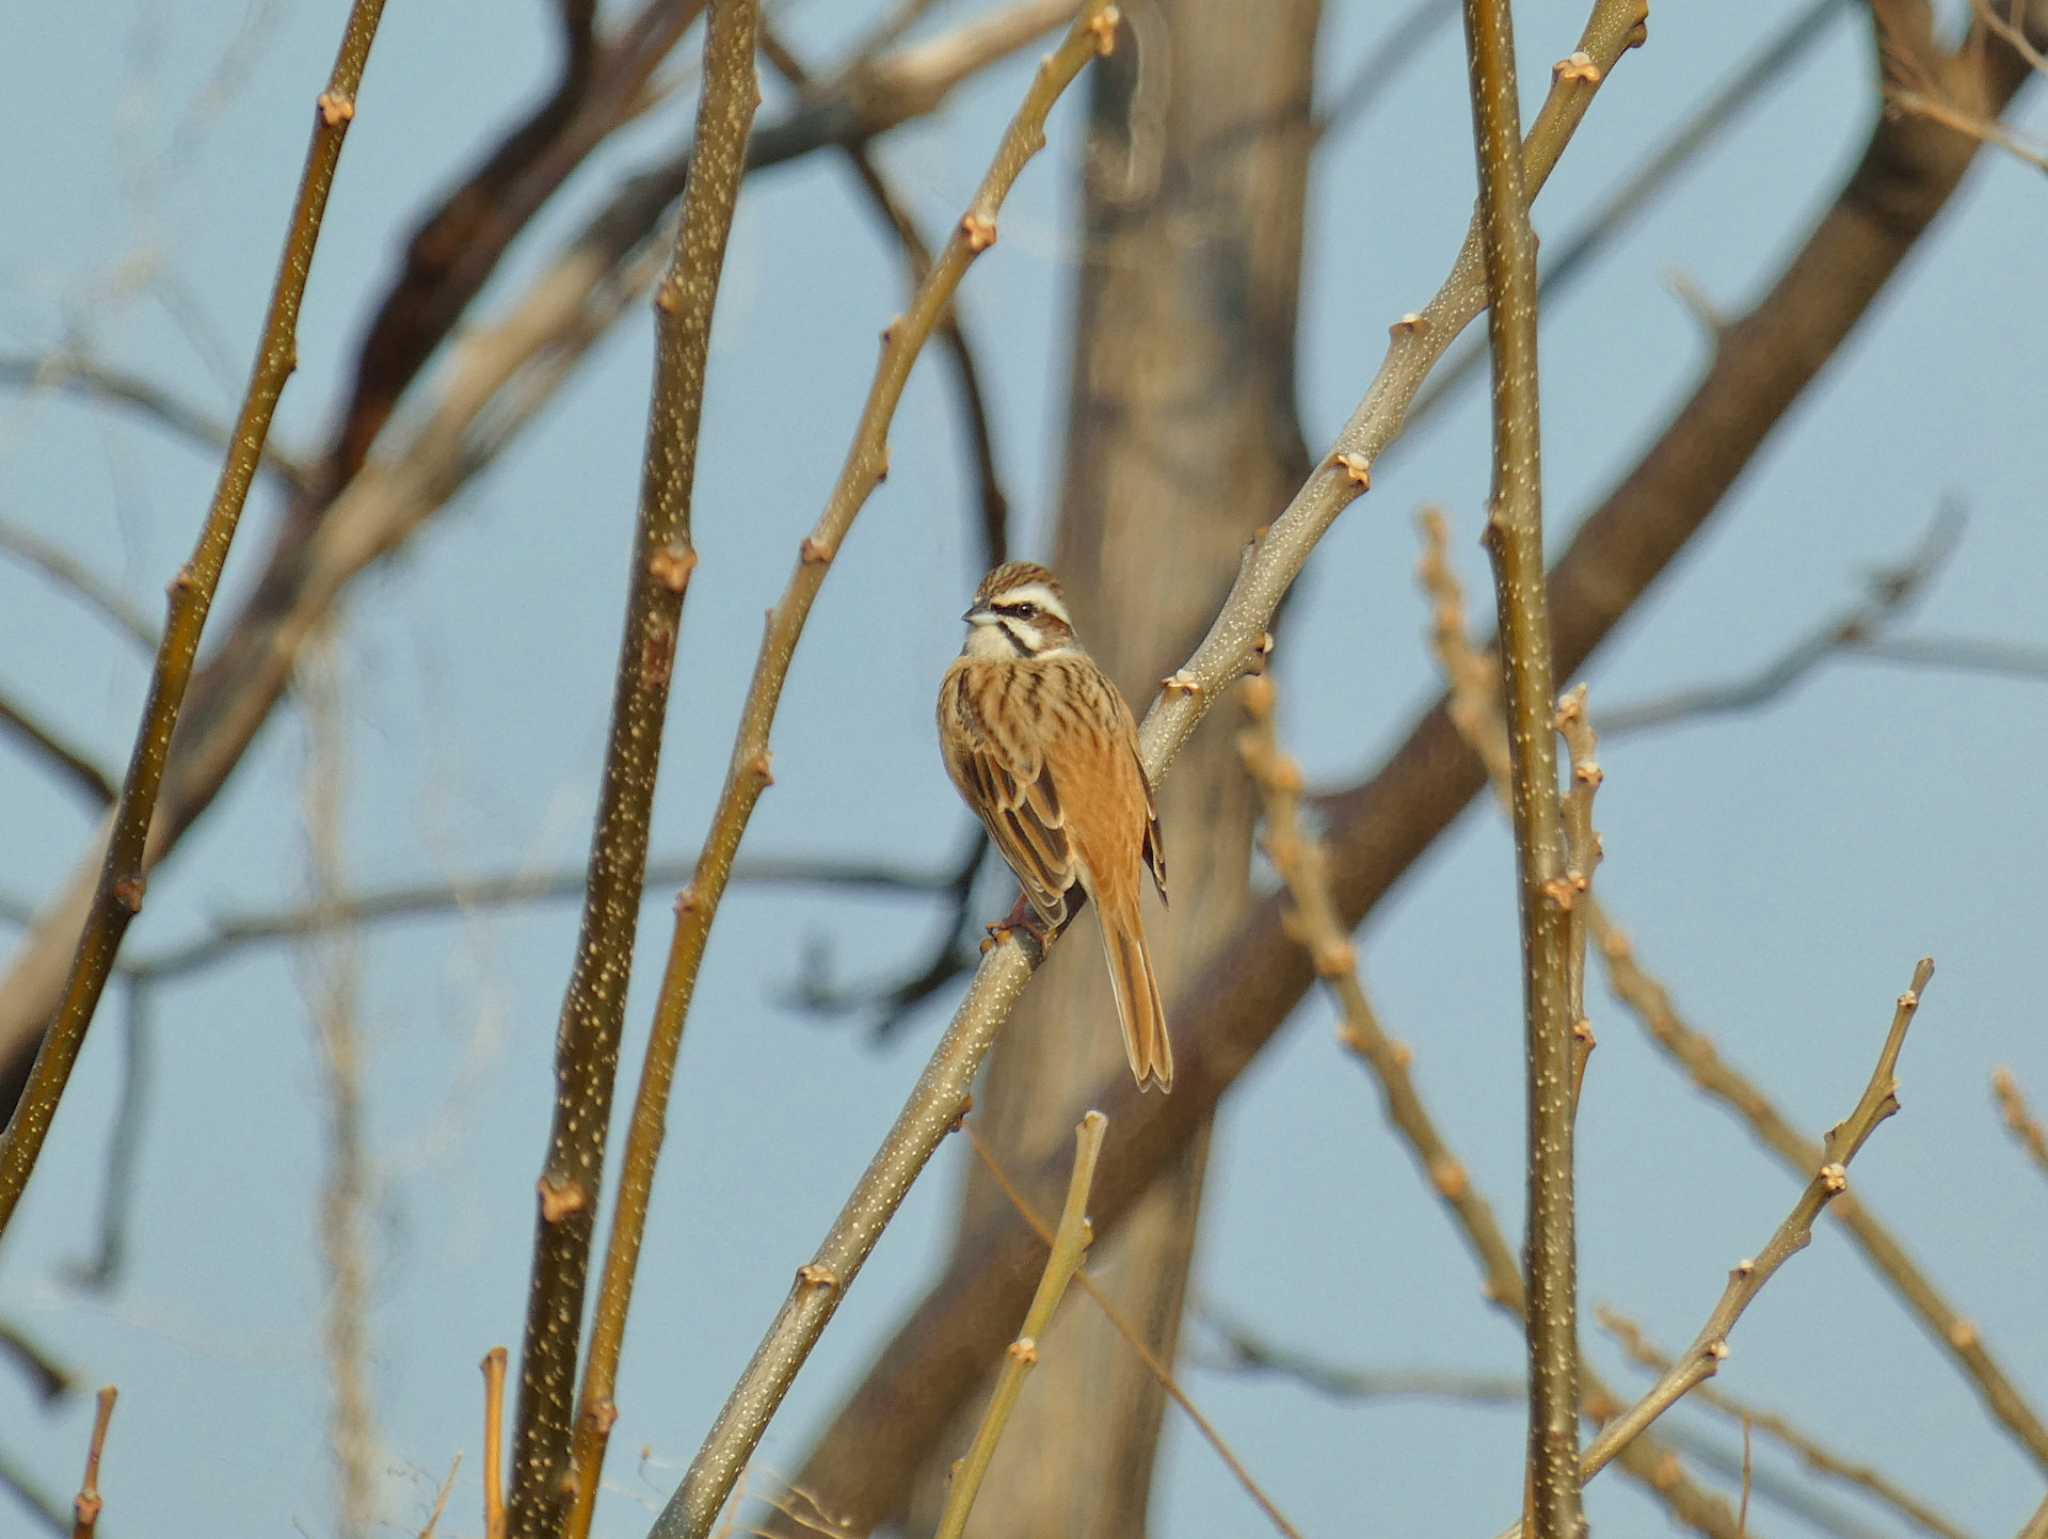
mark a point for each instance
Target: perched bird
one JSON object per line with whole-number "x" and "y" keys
{"x": 1044, "y": 749}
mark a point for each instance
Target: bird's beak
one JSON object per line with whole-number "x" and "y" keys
{"x": 979, "y": 615}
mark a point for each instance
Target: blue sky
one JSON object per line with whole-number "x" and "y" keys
{"x": 1781, "y": 870}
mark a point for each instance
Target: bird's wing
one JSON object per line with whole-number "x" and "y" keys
{"x": 1013, "y": 792}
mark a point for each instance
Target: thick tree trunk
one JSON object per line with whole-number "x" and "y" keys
{"x": 1182, "y": 439}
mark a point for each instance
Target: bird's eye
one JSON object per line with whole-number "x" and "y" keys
{"x": 1027, "y": 611}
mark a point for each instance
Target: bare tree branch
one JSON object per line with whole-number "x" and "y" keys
{"x": 1702, "y": 1360}
{"x": 1811, "y": 1451}
{"x": 86, "y": 377}
{"x": 69, "y": 764}
{"x": 554, "y": 1479}
{"x": 123, "y": 870}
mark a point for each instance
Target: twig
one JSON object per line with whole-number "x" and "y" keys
{"x": 2012, "y": 1108}
{"x": 1816, "y": 1455}
{"x": 1748, "y": 1474}
{"x": 952, "y": 336}
{"x": 551, "y": 1485}
{"x": 1696, "y": 1053}
{"x": 2037, "y": 1525}
{"x": 1891, "y": 593}
{"x": 1985, "y": 130}
{"x": 494, "y": 1443}
{"x": 1069, "y": 1243}
{"x": 1132, "y": 1338}
{"x": 118, "y": 896}
{"x": 124, "y": 1143}
{"x": 233, "y": 932}
{"x": 46, "y": 1375}
{"x": 1236, "y": 640}
{"x": 24, "y": 1488}
{"x": 1247, "y": 1353}
{"x": 1702, "y": 1360}
{"x": 460, "y": 243}
{"x": 441, "y": 1500}
{"x": 1965, "y": 654}
{"x": 70, "y": 764}
{"x": 695, "y": 1505}
{"x": 1659, "y": 172}
{"x": 1472, "y": 682}
{"x": 80, "y": 375}
{"x": 1986, "y": 15}
{"x": 332, "y": 974}
{"x": 1514, "y": 540}
{"x": 1313, "y": 922}
{"x": 86, "y": 1508}
{"x": 499, "y": 378}
{"x": 81, "y": 581}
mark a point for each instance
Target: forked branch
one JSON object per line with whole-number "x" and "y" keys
{"x": 594, "y": 1008}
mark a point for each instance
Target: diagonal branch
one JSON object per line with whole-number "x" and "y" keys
{"x": 696, "y": 1504}
{"x": 1245, "y": 991}
{"x": 117, "y": 897}
{"x": 67, "y": 762}
{"x": 1702, "y": 1360}
{"x": 500, "y": 378}
{"x": 594, "y": 1007}
{"x": 81, "y": 581}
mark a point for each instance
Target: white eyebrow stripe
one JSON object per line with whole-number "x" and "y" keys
{"x": 1034, "y": 593}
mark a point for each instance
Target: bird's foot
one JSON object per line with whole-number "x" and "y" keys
{"x": 1023, "y": 917}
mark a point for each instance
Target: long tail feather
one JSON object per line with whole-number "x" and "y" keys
{"x": 1139, "y": 1008}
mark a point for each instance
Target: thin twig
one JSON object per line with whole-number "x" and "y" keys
{"x": 1514, "y": 540}
{"x": 231, "y": 933}
{"x": 1957, "y": 1336}
{"x": 123, "y": 1180}
{"x": 697, "y": 1502}
{"x": 46, "y": 1375}
{"x": 85, "y": 1509}
{"x": 1566, "y": 260}
{"x": 1132, "y": 1338}
{"x": 1313, "y": 922}
{"x": 2037, "y": 1525}
{"x": 81, "y": 581}
{"x": 1985, "y": 130}
{"x": 332, "y": 972}
{"x": 551, "y": 1485}
{"x": 1583, "y": 852}
{"x": 1069, "y": 1244}
{"x": 441, "y": 1500}
{"x": 1702, "y": 1360}
{"x": 1236, "y": 640}
{"x": 952, "y": 335}
{"x": 68, "y": 763}
{"x": 80, "y": 375}
{"x": 118, "y": 896}
{"x": 1890, "y": 594}
{"x": 493, "y": 1366}
{"x": 2012, "y": 1110}
{"x": 1815, "y": 1454}
{"x": 499, "y": 378}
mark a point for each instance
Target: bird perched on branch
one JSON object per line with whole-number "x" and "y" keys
{"x": 1044, "y": 749}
